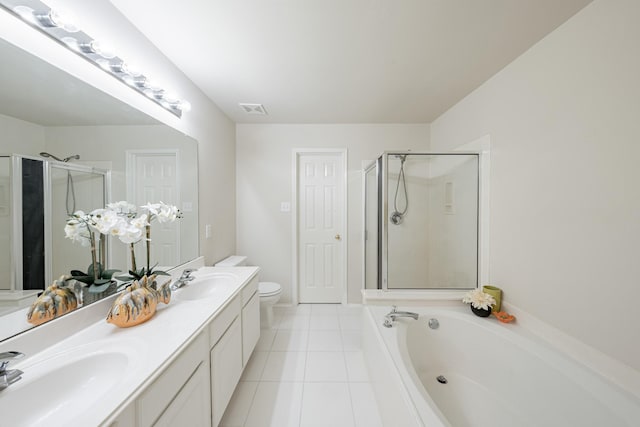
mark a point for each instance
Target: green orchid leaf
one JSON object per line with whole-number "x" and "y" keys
{"x": 84, "y": 279}
{"x": 99, "y": 287}
{"x": 161, "y": 273}
{"x": 90, "y": 270}
{"x": 108, "y": 274}
{"x": 75, "y": 273}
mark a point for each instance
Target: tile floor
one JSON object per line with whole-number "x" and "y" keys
{"x": 307, "y": 370}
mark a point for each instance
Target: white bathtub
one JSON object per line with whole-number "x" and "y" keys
{"x": 497, "y": 375}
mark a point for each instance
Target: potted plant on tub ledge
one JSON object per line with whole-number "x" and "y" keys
{"x": 481, "y": 302}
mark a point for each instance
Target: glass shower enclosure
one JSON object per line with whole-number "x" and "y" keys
{"x": 421, "y": 221}
{"x": 36, "y": 198}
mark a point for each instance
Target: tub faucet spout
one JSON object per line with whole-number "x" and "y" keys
{"x": 394, "y": 314}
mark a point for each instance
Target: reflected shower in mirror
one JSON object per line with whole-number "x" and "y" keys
{"x": 73, "y": 188}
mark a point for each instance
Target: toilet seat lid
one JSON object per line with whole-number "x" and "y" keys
{"x": 268, "y": 288}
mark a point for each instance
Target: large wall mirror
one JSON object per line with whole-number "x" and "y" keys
{"x": 83, "y": 149}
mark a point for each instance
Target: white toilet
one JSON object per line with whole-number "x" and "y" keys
{"x": 269, "y": 291}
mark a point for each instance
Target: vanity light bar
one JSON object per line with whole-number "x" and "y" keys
{"x": 60, "y": 28}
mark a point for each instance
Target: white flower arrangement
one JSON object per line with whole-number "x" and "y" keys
{"x": 479, "y": 299}
{"x": 163, "y": 212}
{"x": 119, "y": 219}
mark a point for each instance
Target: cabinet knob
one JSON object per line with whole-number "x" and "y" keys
{"x": 338, "y": 237}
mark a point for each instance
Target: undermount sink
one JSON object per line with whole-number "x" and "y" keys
{"x": 55, "y": 390}
{"x": 207, "y": 286}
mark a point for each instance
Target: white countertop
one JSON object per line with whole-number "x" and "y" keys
{"x": 150, "y": 348}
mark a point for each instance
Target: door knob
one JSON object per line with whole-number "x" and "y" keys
{"x": 338, "y": 237}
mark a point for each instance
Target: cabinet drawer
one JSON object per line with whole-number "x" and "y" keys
{"x": 155, "y": 399}
{"x": 223, "y": 319}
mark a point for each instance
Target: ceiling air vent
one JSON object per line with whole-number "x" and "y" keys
{"x": 253, "y": 108}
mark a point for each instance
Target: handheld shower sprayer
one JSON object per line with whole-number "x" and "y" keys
{"x": 398, "y": 216}
{"x": 71, "y": 192}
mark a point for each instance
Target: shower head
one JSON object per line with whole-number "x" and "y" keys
{"x": 74, "y": 157}
{"x": 65, "y": 160}
{"x": 396, "y": 218}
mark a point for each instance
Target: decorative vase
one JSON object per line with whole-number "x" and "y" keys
{"x": 91, "y": 297}
{"x": 138, "y": 302}
{"x": 481, "y": 312}
{"x": 496, "y": 293}
{"x": 55, "y": 301}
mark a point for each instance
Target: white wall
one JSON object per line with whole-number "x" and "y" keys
{"x": 206, "y": 123}
{"x": 564, "y": 121}
{"x": 264, "y": 179}
{"x": 20, "y": 137}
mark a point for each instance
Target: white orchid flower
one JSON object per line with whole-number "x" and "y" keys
{"x": 104, "y": 220}
{"x": 123, "y": 207}
{"x": 153, "y": 208}
{"x": 167, "y": 213}
{"x": 77, "y": 231}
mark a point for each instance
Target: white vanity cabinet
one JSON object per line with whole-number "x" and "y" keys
{"x": 180, "y": 395}
{"x": 233, "y": 335}
{"x": 195, "y": 388}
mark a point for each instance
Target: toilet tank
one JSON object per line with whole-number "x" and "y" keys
{"x": 233, "y": 261}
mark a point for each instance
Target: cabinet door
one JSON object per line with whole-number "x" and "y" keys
{"x": 250, "y": 327}
{"x": 154, "y": 401}
{"x": 191, "y": 405}
{"x": 226, "y": 368}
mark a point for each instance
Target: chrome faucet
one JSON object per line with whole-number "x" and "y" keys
{"x": 185, "y": 278}
{"x": 8, "y": 377}
{"x": 394, "y": 314}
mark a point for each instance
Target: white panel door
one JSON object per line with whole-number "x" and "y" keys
{"x": 321, "y": 205}
{"x": 155, "y": 179}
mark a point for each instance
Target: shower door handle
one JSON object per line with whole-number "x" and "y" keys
{"x": 338, "y": 237}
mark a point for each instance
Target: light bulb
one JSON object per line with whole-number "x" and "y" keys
{"x": 130, "y": 80}
{"x": 184, "y": 106}
{"x": 102, "y": 49}
{"x": 107, "y": 65}
{"x": 72, "y": 43}
{"x": 104, "y": 64}
{"x": 149, "y": 93}
{"x": 63, "y": 20}
{"x": 132, "y": 70}
{"x": 26, "y": 13}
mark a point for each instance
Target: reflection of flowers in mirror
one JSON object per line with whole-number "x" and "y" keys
{"x": 163, "y": 212}
{"x": 121, "y": 220}
{"x": 479, "y": 299}
{"x": 81, "y": 227}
